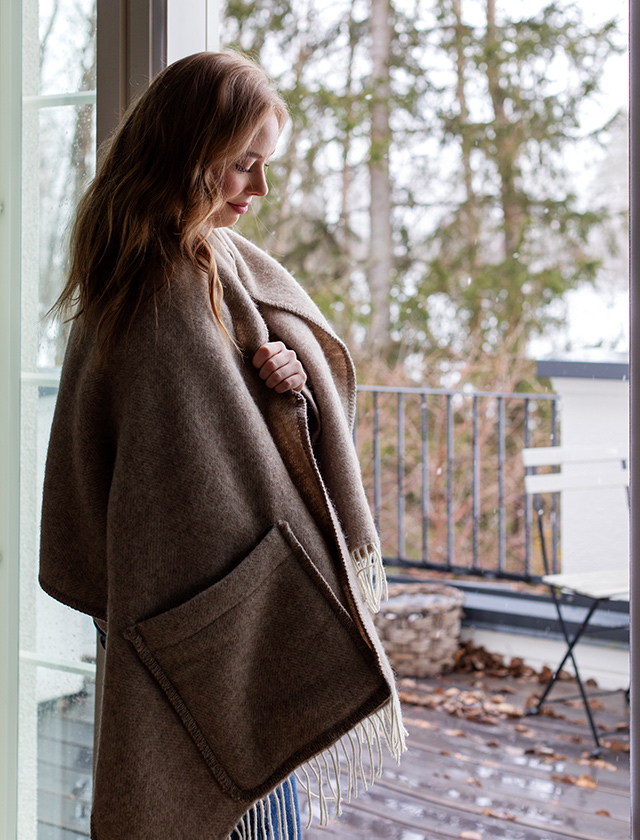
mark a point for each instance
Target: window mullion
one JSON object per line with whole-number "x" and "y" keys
{"x": 10, "y": 229}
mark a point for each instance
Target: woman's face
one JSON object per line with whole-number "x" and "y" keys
{"x": 245, "y": 179}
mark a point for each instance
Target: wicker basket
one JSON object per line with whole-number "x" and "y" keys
{"x": 420, "y": 628}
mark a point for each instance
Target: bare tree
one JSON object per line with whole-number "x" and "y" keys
{"x": 380, "y": 266}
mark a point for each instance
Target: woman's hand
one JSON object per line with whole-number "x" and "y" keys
{"x": 279, "y": 367}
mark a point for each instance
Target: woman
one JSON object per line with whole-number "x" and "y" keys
{"x": 202, "y": 496}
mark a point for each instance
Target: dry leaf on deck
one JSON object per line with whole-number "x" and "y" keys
{"x": 616, "y": 745}
{"x": 498, "y": 815}
{"x": 568, "y": 780}
{"x": 586, "y": 782}
{"x": 422, "y": 724}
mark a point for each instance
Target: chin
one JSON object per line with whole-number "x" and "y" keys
{"x": 226, "y": 222}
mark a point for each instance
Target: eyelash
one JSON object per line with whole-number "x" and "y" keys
{"x": 242, "y": 169}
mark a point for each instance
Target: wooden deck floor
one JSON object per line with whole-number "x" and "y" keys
{"x": 475, "y": 769}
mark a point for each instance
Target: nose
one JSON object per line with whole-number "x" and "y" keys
{"x": 259, "y": 184}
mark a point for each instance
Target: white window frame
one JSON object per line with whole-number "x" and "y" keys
{"x": 10, "y": 236}
{"x": 634, "y": 382}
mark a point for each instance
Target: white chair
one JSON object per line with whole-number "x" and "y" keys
{"x": 601, "y": 467}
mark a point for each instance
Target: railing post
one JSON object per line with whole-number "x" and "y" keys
{"x": 476, "y": 484}
{"x": 424, "y": 428}
{"x": 450, "y": 527}
{"x": 401, "y": 502}
{"x": 554, "y": 498}
{"x": 376, "y": 463}
{"x": 527, "y": 499}
{"x": 502, "y": 536}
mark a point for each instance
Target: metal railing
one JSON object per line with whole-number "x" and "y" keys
{"x": 443, "y": 472}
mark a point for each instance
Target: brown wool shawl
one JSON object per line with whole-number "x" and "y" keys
{"x": 234, "y": 561}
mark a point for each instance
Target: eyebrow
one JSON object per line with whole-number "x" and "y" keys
{"x": 257, "y": 155}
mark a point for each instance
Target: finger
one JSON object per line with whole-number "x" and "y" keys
{"x": 284, "y": 363}
{"x": 291, "y": 383}
{"x": 266, "y": 352}
{"x": 292, "y": 368}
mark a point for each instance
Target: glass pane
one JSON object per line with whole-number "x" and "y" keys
{"x": 66, "y": 46}
{"x": 67, "y": 161}
{"x": 65, "y": 758}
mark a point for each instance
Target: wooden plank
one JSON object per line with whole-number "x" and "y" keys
{"x": 54, "y": 832}
{"x": 66, "y": 812}
{"x": 496, "y": 786}
{"x": 61, "y": 782}
{"x": 63, "y": 728}
{"x": 67, "y": 756}
{"x": 400, "y": 813}
{"x": 569, "y": 739}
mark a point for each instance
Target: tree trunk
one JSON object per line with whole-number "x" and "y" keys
{"x": 380, "y": 257}
{"x": 506, "y": 142}
{"x": 469, "y": 214}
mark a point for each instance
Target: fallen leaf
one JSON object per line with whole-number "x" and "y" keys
{"x": 603, "y": 813}
{"x": 618, "y": 746}
{"x": 498, "y": 815}
{"x": 455, "y": 733}
{"x": 566, "y": 779}
{"x": 422, "y": 724}
{"x": 539, "y": 751}
{"x": 573, "y": 739}
{"x": 471, "y": 835}
{"x": 586, "y": 782}
{"x": 600, "y": 763}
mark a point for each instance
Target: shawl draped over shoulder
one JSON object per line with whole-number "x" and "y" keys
{"x": 233, "y": 559}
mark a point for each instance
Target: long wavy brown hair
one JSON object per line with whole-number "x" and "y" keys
{"x": 157, "y": 185}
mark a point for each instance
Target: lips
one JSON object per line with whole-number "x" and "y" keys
{"x": 238, "y": 208}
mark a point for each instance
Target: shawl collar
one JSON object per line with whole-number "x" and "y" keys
{"x": 269, "y": 284}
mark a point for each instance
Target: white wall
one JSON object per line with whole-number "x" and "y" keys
{"x": 192, "y": 26}
{"x": 594, "y": 522}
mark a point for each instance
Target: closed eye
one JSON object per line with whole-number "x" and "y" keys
{"x": 244, "y": 170}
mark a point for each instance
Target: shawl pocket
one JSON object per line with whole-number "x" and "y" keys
{"x": 265, "y": 668}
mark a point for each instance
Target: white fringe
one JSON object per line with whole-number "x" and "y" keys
{"x": 320, "y": 777}
{"x": 326, "y": 786}
{"x": 368, "y": 563}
